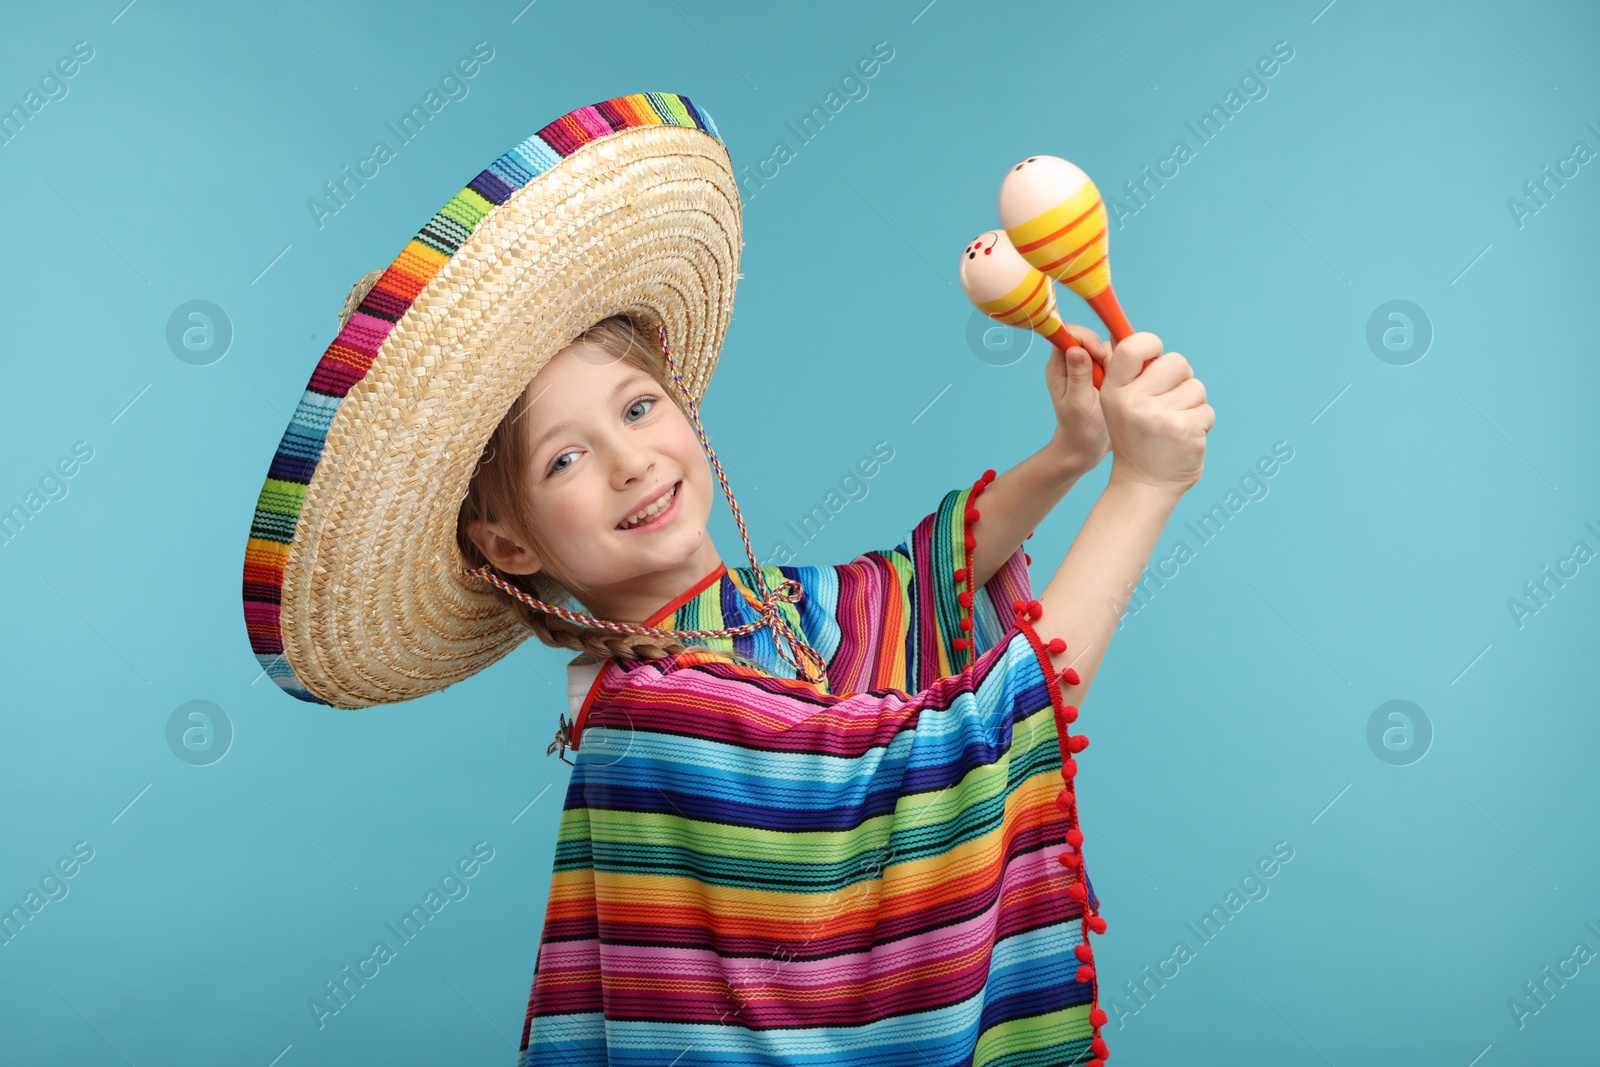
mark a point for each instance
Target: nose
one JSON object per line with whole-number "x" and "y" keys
{"x": 632, "y": 461}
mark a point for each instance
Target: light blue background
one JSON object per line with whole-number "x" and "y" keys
{"x": 1233, "y": 708}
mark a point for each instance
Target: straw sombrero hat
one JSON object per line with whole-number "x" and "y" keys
{"x": 353, "y": 587}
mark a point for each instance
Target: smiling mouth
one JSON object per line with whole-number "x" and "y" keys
{"x": 654, "y": 510}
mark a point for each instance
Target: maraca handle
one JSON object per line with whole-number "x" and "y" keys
{"x": 1106, "y": 305}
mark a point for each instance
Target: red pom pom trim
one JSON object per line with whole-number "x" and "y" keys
{"x": 1097, "y": 1017}
{"x": 988, "y": 476}
{"x": 964, "y": 575}
{"x": 1070, "y": 858}
{"x": 1098, "y": 1047}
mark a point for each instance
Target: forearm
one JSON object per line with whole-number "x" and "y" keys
{"x": 1083, "y": 600}
{"x": 1012, "y": 505}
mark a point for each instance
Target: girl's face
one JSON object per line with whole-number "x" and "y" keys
{"x": 607, "y": 443}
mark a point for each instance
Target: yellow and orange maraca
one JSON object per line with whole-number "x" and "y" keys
{"x": 1008, "y": 289}
{"x": 1055, "y": 227}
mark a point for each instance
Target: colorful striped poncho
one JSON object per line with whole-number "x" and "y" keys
{"x": 752, "y": 869}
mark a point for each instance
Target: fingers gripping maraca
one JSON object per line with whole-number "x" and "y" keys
{"x": 1157, "y": 418}
{"x": 1006, "y": 288}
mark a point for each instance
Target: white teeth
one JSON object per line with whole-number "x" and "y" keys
{"x": 646, "y": 514}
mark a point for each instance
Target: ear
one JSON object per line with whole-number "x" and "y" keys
{"x": 500, "y": 549}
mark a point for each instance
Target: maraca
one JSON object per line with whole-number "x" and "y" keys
{"x": 1057, "y": 221}
{"x": 1005, "y": 288}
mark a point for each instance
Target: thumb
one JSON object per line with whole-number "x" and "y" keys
{"x": 1127, "y": 359}
{"x": 1080, "y": 376}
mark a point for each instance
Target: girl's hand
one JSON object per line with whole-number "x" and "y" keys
{"x": 1081, "y": 437}
{"x": 1157, "y": 418}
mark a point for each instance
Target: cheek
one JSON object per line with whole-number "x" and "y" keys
{"x": 686, "y": 445}
{"x": 699, "y": 468}
{"x": 570, "y": 516}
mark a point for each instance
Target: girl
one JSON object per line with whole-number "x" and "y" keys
{"x": 818, "y": 868}
{"x": 817, "y": 814}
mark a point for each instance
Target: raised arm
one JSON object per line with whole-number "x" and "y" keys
{"x": 1018, "y": 500}
{"x": 1158, "y": 420}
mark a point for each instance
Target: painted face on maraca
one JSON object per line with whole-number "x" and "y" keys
{"x": 1004, "y": 287}
{"x": 990, "y": 268}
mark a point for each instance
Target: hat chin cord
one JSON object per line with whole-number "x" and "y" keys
{"x": 799, "y": 654}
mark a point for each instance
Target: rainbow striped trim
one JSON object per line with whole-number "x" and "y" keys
{"x": 350, "y": 356}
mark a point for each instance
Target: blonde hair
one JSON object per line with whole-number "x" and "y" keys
{"x": 494, "y": 495}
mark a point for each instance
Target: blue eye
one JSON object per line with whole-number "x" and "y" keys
{"x": 553, "y": 466}
{"x": 648, "y": 400}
